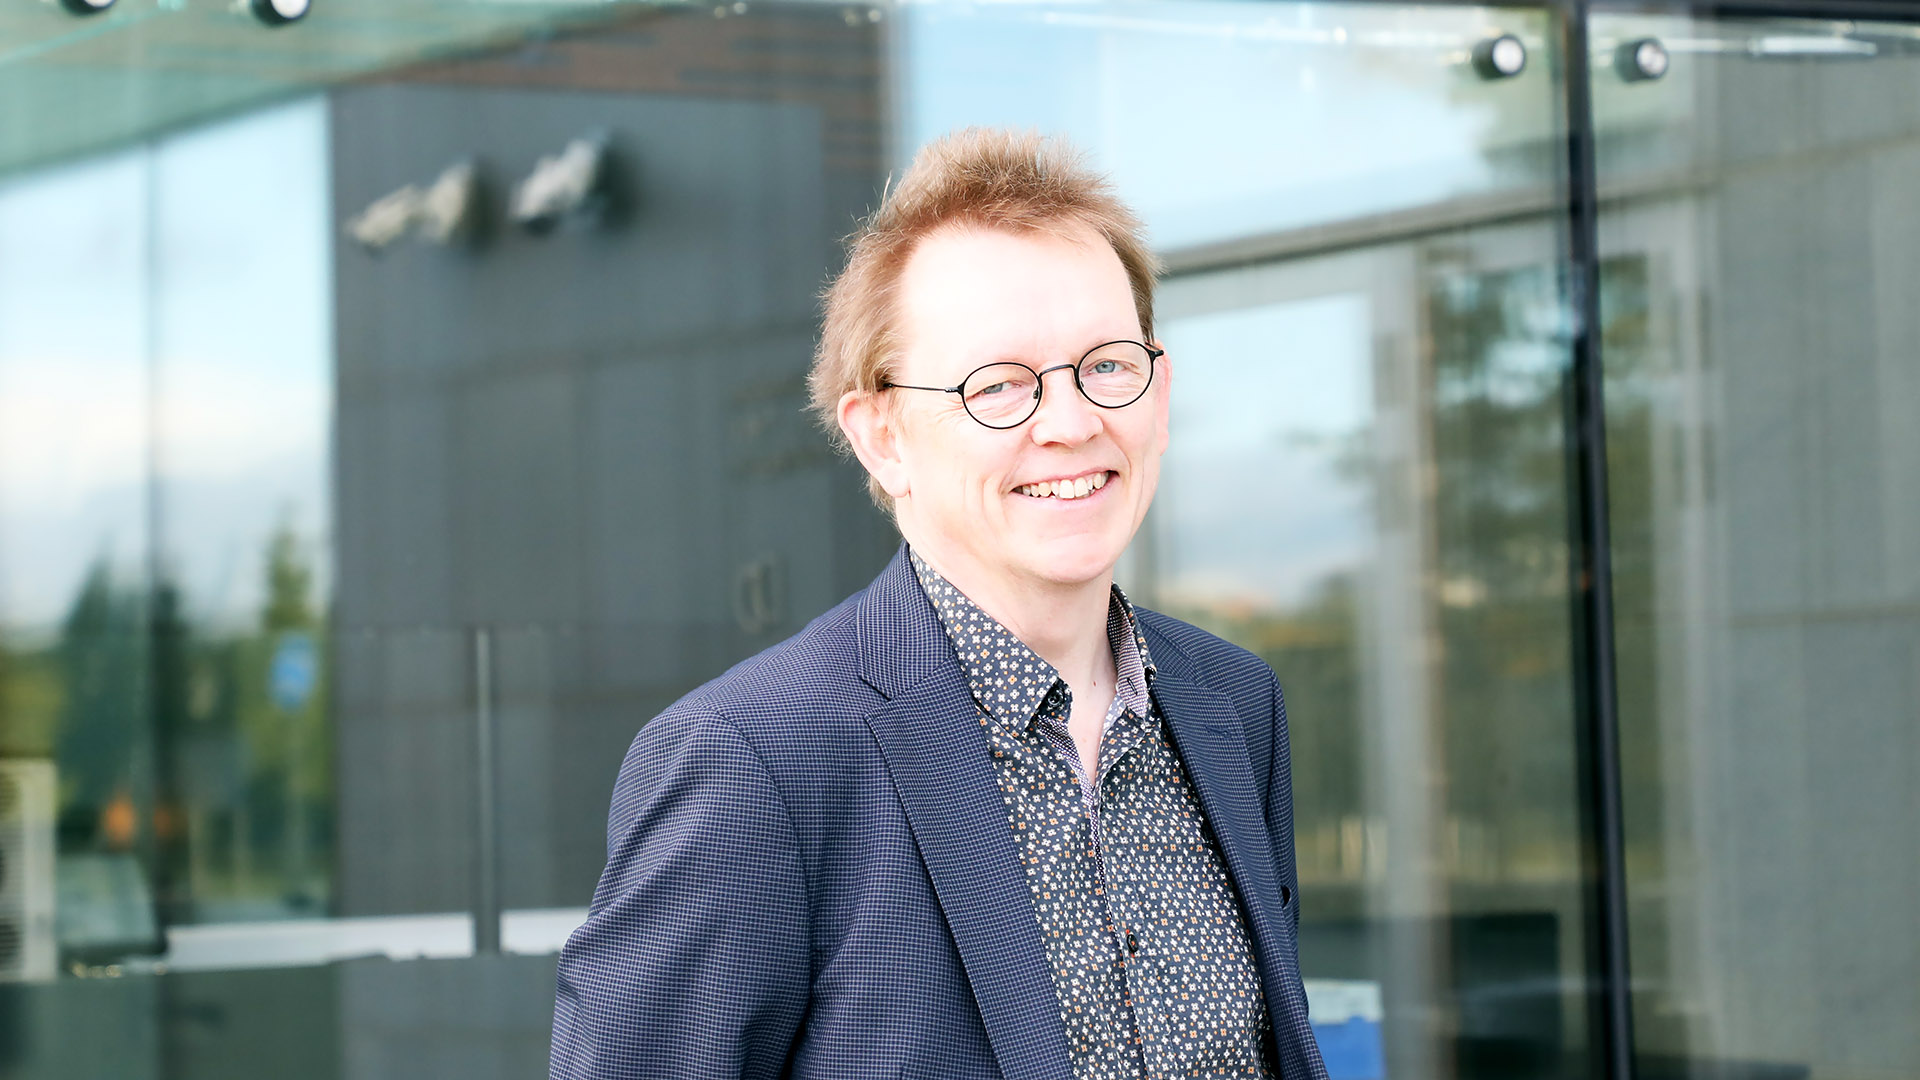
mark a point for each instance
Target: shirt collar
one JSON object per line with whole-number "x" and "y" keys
{"x": 1009, "y": 680}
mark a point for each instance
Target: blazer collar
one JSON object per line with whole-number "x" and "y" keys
{"x": 901, "y": 642}
{"x": 1212, "y": 740}
{"x": 930, "y": 733}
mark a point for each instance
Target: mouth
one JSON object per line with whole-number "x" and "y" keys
{"x": 1078, "y": 487}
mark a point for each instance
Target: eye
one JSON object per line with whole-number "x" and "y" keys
{"x": 1104, "y": 367}
{"x": 998, "y": 382}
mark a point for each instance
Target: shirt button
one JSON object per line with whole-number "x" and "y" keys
{"x": 1133, "y": 944}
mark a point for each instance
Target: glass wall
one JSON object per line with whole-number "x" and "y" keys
{"x": 1367, "y": 481}
{"x": 1761, "y": 246}
{"x": 358, "y": 504}
{"x": 1367, "y": 487}
{"x": 77, "y": 548}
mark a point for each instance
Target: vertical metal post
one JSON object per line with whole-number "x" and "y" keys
{"x": 486, "y": 846}
{"x": 152, "y": 756}
{"x": 1596, "y": 707}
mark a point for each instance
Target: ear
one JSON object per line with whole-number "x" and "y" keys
{"x": 1163, "y": 393}
{"x": 870, "y": 425}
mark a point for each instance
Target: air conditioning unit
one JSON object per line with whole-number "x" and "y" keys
{"x": 26, "y": 870}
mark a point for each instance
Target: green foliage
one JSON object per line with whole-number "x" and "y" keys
{"x": 1502, "y": 552}
{"x": 101, "y": 660}
{"x": 31, "y": 699}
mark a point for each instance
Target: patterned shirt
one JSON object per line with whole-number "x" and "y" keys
{"x": 1144, "y": 932}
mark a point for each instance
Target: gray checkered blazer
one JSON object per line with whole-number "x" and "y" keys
{"x": 809, "y": 870}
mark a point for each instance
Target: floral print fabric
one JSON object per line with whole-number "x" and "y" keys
{"x": 1144, "y": 934}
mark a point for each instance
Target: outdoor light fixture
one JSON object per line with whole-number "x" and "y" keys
{"x": 1500, "y": 57}
{"x": 445, "y": 214}
{"x": 278, "y": 12}
{"x": 450, "y": 210}
{"x": 576, "y": 182}
{"x": 86, "y": 7}
{"x": 1642, "y": 60}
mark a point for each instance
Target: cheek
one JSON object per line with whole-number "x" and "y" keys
{"x": 957, "y": 471}
{"x": 932, "y": 454}
{"x": 1146, "y": 442}
{"x": 1147, "y": 469}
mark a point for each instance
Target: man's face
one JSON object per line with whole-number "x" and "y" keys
{"x": 970, "y": 297}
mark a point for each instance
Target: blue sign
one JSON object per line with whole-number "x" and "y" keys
{"x": 1346, "y": 1020}
{"x": 294, "y": 671}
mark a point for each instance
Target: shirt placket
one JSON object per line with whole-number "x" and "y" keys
{"x": 1122, "y": 734}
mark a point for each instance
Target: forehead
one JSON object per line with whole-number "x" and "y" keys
{"x": 969, "y": 290}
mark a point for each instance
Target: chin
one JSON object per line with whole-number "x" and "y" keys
{"x": 1075, "y": 562}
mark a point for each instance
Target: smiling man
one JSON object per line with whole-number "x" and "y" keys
{"x": 985, "y": 818}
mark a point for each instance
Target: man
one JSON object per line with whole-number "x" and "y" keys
{"x": 984, "y": 818}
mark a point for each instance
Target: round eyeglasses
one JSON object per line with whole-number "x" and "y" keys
{"x": 1112, "y": 375}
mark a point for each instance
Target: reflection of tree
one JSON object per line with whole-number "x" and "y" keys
{"x": 1500, "y": 560}
{"x": 169, "y": 743}
{"x": 295, "y": 741}
{"x": 101, "y": 659}
{"x": 263, "y": 789}
{"x": 170, "y": 644}
{"x": 289, "y": 581}
{"x": 1314, "y": 648}
{"x": 1495, "y": 503}
{"x": 1658, "y": 854}
{"x": 1627, "y": 345}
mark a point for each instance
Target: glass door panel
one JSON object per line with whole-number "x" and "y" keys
{"x": 1225, "y": 122}
{"x": 1761, "y": 247}
{"x": 1366, "y": 486}
{"x": 429, "y": 529}
{"x": 80, "y": 766}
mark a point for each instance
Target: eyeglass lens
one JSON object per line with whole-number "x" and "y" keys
{"x": 1002, "y": 395}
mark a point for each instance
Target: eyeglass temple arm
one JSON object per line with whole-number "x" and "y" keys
{"x": 935, "y": 389}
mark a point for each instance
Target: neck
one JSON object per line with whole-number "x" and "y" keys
{"x": 1065, "y": 624}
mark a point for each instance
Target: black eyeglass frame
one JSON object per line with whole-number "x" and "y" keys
{"x": 1040, "y": 382}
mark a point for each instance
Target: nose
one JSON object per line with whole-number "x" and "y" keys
{"x": 1065, "y": 415}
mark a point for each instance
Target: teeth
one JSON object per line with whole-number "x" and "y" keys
{"x": 1065, "y": 489}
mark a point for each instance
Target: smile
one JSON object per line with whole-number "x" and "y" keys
{"x": 1077, "y": 488}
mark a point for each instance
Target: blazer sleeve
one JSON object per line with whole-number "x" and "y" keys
{"x": 694, "y": 959}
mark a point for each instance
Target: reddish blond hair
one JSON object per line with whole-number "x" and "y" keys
{"x": 991, "y": 178}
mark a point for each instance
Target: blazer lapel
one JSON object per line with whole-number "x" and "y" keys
{"x": 937, "y": 753}
{"x": 1214, "y": 745}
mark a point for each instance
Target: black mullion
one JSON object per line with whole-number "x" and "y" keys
{"x": 1596, "y": 705}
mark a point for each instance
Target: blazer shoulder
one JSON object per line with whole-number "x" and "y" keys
{"x": 1213, "y": 659}
{"x": 815, "y": 673}
{"x": 1240, "y": 676}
